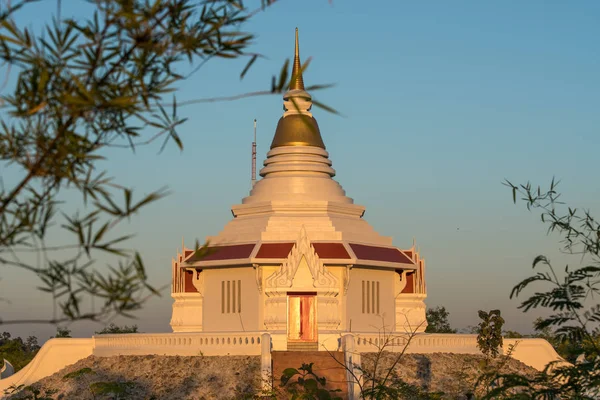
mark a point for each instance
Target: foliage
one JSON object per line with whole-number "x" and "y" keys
{"x": 79, "y": 373}
{"x": 303, "y": 383}
{"x": 437, "y": 320}
{"x": 396, "y": 388}
{"x": 30, "y": 393}
{"x": 62, "y": 332}
{"x": 118, "y": 388}
{"x": 100, "y": 388}
{"x": 112, "y": 328}
{"x": 489, "y": 379}
{"x": 512, "y": 335}
{"x": 568, "y": 297}
{"x": 17, "y": 351}
{"x": 565, "y": 347}
{"x": 489, "y": 333}
{"x": 85, "y": 87}
{"x": 382, "y": 381}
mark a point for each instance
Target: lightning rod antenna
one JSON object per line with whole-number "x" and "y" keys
{"x": 254, "y": 156}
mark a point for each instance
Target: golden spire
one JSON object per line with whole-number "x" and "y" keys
{"x": 297, "y": 127}
{"x": 297, "y": 83}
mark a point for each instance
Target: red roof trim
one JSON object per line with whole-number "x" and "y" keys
{"x": 331, "y": 250}
{"x": 274, "y": 250}
{"x": 376, "y": 253}
{"x": 230, "y": 252}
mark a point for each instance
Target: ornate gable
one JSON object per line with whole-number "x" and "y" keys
{"x": 284, "y": 278}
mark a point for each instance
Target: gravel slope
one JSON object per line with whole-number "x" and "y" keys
{"x": 453, "y": 374}
{"x": 238, "y": 377}
{"x": 159, "y": 377}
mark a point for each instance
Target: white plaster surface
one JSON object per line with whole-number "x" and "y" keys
{"x": 297, "y": 190}
{"x": 536, "y": 353}
{"x": 214, "y": 319}
{"x": 54, "y": 355}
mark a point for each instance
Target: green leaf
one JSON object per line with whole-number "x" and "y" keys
{"x": 325, "y": 107}
{"x": 311, "y": 385}
{"x": 540, "y": 259}
{"x": 283, "y": 74}
{"x": 248, "y": 65}
{"x": 99, "y": 388}
{"x": 323, "y": 394}
{"x": 79, "y": 373}
{"x": 289, "y": 372}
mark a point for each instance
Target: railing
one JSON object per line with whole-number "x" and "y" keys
{"x": 192, "y": 344}
{"x": 536, "y": 353}
{"x": 418, "y": 343}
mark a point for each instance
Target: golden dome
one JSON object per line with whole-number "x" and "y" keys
{"x": 297, "y": 130}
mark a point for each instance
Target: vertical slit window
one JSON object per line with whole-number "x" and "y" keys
{"x": 372, "y": 297}
{"x": 363, "y": 297}
{"x": 228, "y": 296}
{"x": 233, "y": 296}
{"x": 377, "y": 297}
{"x": 368, "y": 297}
{"x": 239, "y": 296}
{"x": 222, "y": 297}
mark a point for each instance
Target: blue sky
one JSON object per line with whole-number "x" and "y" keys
{"x": 440, "y": 100}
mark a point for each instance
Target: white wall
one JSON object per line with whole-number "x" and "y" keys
{"x": 370, "y": 322}
{"x": 213, "y": 318}
{"x": 54, "y": 355}
{"x": 536, "y": 353}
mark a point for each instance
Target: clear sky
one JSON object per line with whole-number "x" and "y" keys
{"x": 441, "y": 101}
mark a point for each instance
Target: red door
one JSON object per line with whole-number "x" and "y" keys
{"x": 302, "y": 317}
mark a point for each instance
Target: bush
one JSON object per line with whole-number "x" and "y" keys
{"x": 489, "y": 333}
{"x": 17, "y": 351}
{"x": 112, "y": 328}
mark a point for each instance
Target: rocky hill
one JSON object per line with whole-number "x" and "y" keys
{"x": 235, "y": 377}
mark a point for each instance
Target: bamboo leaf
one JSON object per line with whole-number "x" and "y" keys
{"x": 248, "y": 65}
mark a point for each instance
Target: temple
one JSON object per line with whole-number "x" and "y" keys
{"x": 296, "y": 271}
{"x": 298, "y": 260}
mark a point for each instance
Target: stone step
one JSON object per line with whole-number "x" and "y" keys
{"x": 325, "y": 364}
{"x": 303, "y": 346}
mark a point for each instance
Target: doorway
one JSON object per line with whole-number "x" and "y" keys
{"x": 302, "y": 318}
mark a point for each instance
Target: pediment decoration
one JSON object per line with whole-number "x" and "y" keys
{"x": 284, "y": 278}
{"x": 198, "y": 281}
{"x": 347, "y": 278}
{"x": 399, "y": 282}
{"x": 258, "y": 275}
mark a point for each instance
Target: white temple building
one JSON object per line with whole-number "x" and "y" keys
{"x": 298, "y": 260}
{"x": 297, "y": 268}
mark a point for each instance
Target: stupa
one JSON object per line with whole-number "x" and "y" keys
{"x": 298, "y": 260}
{"x": 297, "y": 268}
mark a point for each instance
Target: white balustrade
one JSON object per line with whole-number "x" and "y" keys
{"x": 418, "y": 343}
{"x": 183, "y": 344}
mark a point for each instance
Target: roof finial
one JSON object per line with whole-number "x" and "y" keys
{"x": 297, "y": 83}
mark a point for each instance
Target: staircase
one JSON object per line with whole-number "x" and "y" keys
{"x": 324, "y": 365}
{"x": 303, "y": 346}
